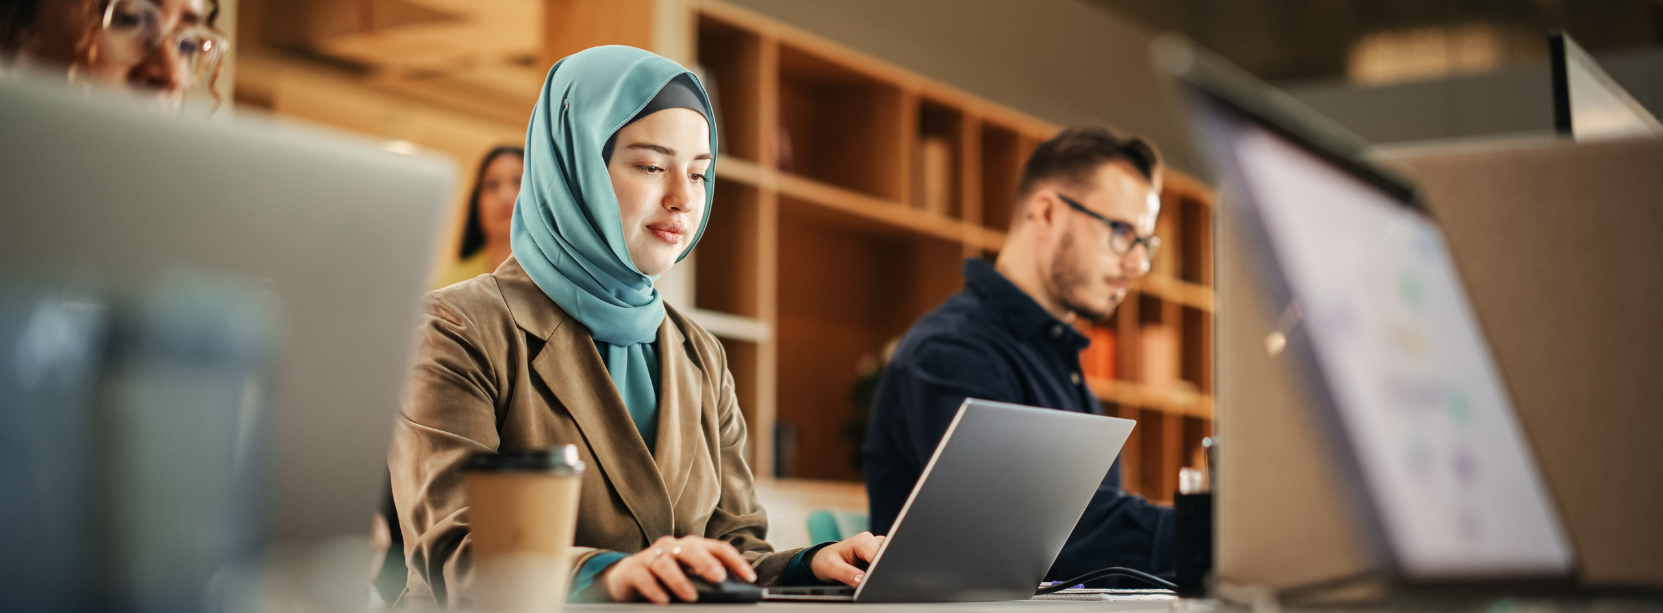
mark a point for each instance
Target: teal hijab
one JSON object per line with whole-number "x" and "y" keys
{"x": 567, "y": 231}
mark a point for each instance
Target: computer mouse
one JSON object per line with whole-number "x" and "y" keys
{"x": 727, "y": 591}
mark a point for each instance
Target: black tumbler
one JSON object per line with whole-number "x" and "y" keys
{"x": 1192, "y": 542}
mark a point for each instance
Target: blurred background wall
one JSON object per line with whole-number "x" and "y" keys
{"x": 459, "y": 76}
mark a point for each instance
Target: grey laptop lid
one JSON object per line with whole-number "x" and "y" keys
{"x": 995, "y": 504}
{"x": 341, "y": 231}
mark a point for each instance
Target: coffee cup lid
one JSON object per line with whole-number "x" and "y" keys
{"x": 561, "y": 459}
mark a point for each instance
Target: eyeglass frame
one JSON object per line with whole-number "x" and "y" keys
{"x": 1151, "y": 243}
{"x": 219, "y": 41}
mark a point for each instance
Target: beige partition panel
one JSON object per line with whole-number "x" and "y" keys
{"x": 1561, "y": 249}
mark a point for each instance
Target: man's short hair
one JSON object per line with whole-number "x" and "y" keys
{"x": 1073, "y": 156}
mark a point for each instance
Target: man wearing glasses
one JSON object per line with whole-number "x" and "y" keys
{"x": 1079, "y": 234}
{"x": 161, "y": 48}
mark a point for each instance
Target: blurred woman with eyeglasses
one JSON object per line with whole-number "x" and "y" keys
{"x": 160, "y": 47}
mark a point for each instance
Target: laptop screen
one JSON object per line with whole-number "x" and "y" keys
{"x": 1444, "y": 461}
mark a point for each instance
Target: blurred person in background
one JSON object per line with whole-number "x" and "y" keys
{"x": 158, "y": 48}
{"x": 567, "y": 342}
{"x": 485, "y": 242}
{"x": 1080, "y": 232}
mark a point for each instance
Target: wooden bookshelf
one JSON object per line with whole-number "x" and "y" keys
{"x": 816, "y": 254}
{"x": 825, "y": 135}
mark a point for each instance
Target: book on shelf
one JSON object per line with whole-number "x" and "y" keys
{"x": 1158, "y": 354}
{"x": 1166, "y": 262}
{"x": 1098, "y": 359}
{"x": 932, "y": 174}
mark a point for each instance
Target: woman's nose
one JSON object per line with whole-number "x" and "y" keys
{"x": 161, "y": 70}
{"x": 684, "y": 194}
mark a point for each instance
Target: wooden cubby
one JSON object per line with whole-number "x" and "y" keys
{"x": 845, "y": 290}
{"x": 939, "y": 119}
{"x": 841, "y": 127}
{"x": 731, "y": 58}
{"x": 1002, "y": 161}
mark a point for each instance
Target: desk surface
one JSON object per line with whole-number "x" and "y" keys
{"x": 1029, "y": 606}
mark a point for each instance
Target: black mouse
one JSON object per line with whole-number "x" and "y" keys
{"x": 728, "y": 591}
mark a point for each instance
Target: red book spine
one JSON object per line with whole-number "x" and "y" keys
{"x": 1097, "y": 360}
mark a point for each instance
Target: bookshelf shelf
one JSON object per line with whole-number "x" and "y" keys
{"x": 857, "y": 207}
{"x": 1179, "y": 400}
{"x": 732, "y": 327}
{"x": 1182, "y": 292}
{"x": 730, "y": 170}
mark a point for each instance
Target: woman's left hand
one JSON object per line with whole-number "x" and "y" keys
{"x": 836, "y": 562}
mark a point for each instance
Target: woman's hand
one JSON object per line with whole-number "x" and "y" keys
{"x": 837, "y": 562}
{"x": 662, "y": 565}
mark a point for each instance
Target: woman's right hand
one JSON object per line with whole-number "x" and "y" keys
{"x": 665, "y": 564}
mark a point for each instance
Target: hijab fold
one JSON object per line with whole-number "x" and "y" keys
{"x": 568, "y": 232}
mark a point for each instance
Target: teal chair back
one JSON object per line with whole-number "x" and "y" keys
{"x": 835, "y": 525}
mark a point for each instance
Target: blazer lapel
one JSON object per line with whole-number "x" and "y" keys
{"x": 679, "y": 410}
{"x": 571, "y": 367}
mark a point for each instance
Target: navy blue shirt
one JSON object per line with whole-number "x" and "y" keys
{"x": 994, "y": 342}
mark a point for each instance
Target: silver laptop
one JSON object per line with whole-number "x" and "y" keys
{"x": 993, "y": 508}
{"x": 339, "y": 232}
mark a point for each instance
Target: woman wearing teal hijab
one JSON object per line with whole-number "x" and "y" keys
{"x": 568, "y": 342}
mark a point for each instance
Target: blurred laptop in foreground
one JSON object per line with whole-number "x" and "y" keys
{"x": 229, "y": 310}
{"x": 1403, "y": 428}
{"x": 1374, "y": 320}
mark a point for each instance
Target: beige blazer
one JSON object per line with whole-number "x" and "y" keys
{"x": 500, "y": 366}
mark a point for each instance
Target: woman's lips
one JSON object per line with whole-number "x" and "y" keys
{"x": 668, "y": 231}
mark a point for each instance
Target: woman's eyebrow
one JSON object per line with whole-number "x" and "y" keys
{"x": 192, "y": 17}
{"x": 651, "y": 147}
{"x": 667, "y": 151}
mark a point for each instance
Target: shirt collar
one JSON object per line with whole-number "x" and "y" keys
{"x": 1020, "y": 312}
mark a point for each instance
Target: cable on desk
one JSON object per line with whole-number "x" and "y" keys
{"x": 1108, "y": 572}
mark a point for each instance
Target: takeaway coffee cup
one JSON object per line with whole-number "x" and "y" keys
{"x": 522, "y": 509}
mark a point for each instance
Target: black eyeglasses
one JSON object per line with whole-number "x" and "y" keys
{"x": 1123, "y": 238}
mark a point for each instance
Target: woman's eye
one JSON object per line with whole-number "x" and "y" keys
{"x": 700, "y": 176}
{"x": 124, "y": 19}
{"x": 651, "y": 170}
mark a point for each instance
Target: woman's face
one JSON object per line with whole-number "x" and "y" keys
{"x": 659, "y": 168}
{"x": 149, "y": 45}
{"x": 498, "y": 188}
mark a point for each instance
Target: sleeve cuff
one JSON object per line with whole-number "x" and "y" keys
{"x": 583, "y": 585}
{"x": 798, "y": 571}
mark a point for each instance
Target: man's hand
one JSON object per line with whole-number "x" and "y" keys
{"x": 837, "y": 562}
{"x": 665, "y": 565}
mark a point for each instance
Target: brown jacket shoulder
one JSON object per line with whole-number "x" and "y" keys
{"x": 499, "y": 366}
